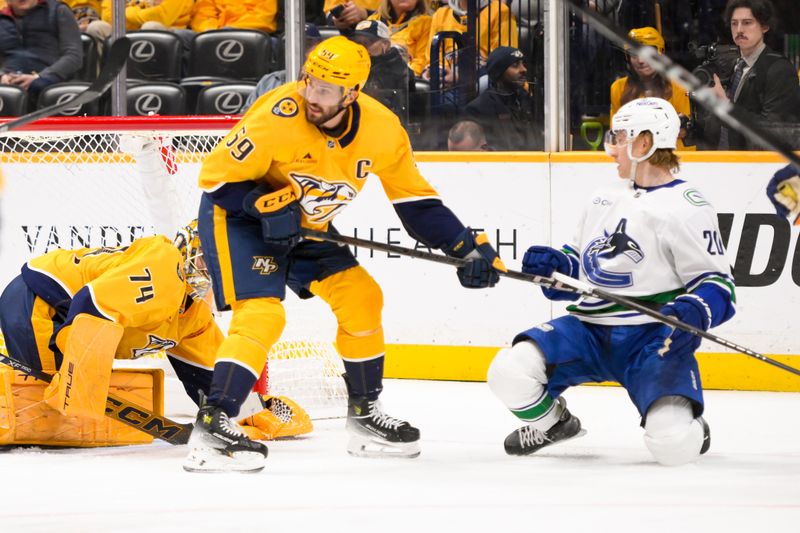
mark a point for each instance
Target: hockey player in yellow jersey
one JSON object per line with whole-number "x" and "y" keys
{"x": 297, "y": 158}
{"x": 80, "y": 309}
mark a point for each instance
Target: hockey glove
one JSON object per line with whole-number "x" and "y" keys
{"x": 483, "y": 264}
{"x": 783, "y": 191}
{"x": 543, "y": 261}
{"x": 279, "y": 215}
{"x": 689, "y": 310}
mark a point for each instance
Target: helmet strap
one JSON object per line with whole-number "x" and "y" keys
{"x": 636, "y": 160}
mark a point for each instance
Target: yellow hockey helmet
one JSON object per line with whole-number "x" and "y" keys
{"x": 340, "y": 61}
{"x": 648, "y": 36}
{"x": 187, "y": 241}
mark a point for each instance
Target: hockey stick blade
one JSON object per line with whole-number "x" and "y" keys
{"x": 122, "y": 410}
{"x": 558, "y": 281}
{"x": 115, "y": 60}
{"x": 705, "y": 96}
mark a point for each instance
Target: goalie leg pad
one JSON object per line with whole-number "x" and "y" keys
{"x": 81, "y": 385}
{"x": 30, "y": 421}
{"x": 672, "y": 434}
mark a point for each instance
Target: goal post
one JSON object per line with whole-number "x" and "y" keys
{"x": 83, "y": 182}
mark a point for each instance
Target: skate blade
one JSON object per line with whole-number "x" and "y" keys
{"x": 373, "y": 448}
{"x": 211, "y": 461}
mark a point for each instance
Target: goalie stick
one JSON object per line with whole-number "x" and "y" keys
{"x": 725, "y": 111}
{"x": 122, "y": 410}
{"x": 115, "y": 60}
{"x": 558, "y": 281}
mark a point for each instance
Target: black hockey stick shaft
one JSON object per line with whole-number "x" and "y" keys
{"x": 705, "y": 96}
{"x": 115, "y": 60}
{"x": 122, "y": 410}
{"x": 559, "y": 282}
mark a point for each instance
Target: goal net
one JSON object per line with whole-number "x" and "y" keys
{"x": 90, "y": 182}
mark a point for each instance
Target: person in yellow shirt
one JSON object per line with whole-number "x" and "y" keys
{"x": 130, "y": 301}
{"x": 349, "y": 14}
{"x": 144, "y": 15}
{"x": 644, "y": 81}
{"x": 409, "y": 23}
{"x": 85, "y": 11}
{"x": 239, "y": 14}
{"x": 496, "y": 27}
{"x": 296, "y": 159}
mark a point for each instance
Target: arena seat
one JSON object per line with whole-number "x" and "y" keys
{"x": 154, "y": 55}
{"x": 13, "y": 101}
{"x": 156, "y": 98}
{"x": 88, "y": 71}
{"x": 59, "y": 93}
{"x": 233, "y": 54}
{"x": 224, "y": 99}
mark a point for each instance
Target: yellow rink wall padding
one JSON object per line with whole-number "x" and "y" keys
{"x": 726, "y": 371}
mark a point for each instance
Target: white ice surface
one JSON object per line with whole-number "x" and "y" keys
{"x": 463, "y": 481}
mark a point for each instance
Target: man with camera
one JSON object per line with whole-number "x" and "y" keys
{"x": 763, "y": 84}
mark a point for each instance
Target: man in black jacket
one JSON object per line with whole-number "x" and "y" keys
{"x": 763, "y": 85}
{"x": 506, "y": 109}
{"x": 40, "y": 44}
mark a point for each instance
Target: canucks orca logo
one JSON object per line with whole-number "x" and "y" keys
{"x": 286, "y": 107}
{"x": 321, "y": 200}
{"x": 609, "y": 247}
{"x": 154, "y": 345}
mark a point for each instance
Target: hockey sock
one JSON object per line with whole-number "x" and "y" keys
{"x": 542, "y": 413}
{"x": 230, "y": 386}
{"x": 365, "y": 377}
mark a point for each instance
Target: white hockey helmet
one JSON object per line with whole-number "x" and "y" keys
{"x": 655, "y": 115}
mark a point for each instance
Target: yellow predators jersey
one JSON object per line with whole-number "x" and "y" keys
{"x": 275, "y": 143}
{"x": 141, "y": 287}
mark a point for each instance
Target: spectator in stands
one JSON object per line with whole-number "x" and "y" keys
{"x": 40, "y": 44}
{"x": 467, "y": 136}
{"x": 277, "y": 78}
{"x": 390, "y": 76}
{"x": 643, "y": 81}
{"x": 85, "y": 11}
{"x": 496, "y": 27}
{"x": 239, "y": 14}
{"x": 162, "y": 15}
{"x": 506, "y": 108}
{"x": 409, "y": 23}
{"x": 763, "y": 85}
{"x": 351, "y": 13}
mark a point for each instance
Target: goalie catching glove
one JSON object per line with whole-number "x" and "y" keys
{"x": 783, "y": 190}
{"x": 281, "y": 417}
{"x": 483, "y": 264}
{"x": 279, "y": 215}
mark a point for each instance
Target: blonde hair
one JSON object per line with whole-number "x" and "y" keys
{"x": 665, "y": 158}
{"x": 423, "y": 7}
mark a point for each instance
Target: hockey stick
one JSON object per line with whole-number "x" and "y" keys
{"x": 558, "y": 281}
{"x": 728, "y": 113}
{"x": 122, "y": 410}
{"x": 115, "y": 60}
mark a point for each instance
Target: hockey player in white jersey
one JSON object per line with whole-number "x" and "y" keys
{"x": 651, "y": 237}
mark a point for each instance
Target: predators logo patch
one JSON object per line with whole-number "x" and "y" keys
{"x": 154, "y": 345}
{"x": 264, "y": 264}
{"x": 320, "y": 200}
{"x": 286, "y": 107}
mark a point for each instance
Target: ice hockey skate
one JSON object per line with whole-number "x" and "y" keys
{"x": 527, "y": 439}
{"x": 706, "y": 435}
{"x": 218, "y": 445}
{"x": 373, "y": 433}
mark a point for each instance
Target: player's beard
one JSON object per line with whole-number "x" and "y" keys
{"x": 323, "y": 114}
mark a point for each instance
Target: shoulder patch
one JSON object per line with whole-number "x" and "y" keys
{"x": 286, "y": 107}
{"x": 695, "y": 197}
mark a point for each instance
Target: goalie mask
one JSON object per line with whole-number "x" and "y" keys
{"x": 196, "y": 274}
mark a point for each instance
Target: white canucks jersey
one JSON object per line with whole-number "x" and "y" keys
{"x": 649, "y": 244}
